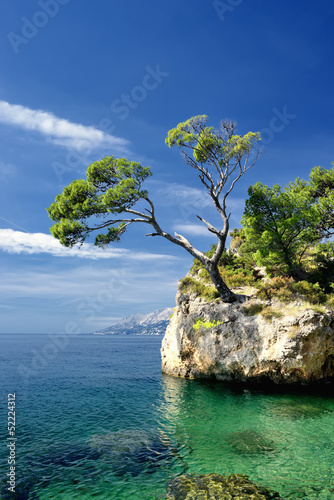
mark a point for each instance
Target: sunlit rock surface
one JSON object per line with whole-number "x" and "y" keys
{"x": 232, "y": 346}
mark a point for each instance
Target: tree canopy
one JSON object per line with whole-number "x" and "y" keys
{"x": 281, "y": 226}
{"x": 107, "y": 201}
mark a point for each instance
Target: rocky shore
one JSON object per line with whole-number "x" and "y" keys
{"x": 231, "y": 342}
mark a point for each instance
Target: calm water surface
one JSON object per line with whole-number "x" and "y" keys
{"x": 96, "y": 419}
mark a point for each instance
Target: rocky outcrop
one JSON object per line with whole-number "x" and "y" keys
{"x": 222, "y": 341}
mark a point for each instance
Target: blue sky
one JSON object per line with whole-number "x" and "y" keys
{"x": 81, "y": 80}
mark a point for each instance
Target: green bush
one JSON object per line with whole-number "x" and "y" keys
{"x": 330, "y": 301}
{"x": 236, "y": 277}
{"x": 312, "y": 292}
{"x": 253, "y": 309}
{"x": 284, "y": 289}
{"x": 235, "y": 270}
{"x": 192, "y": 285}
{"x": 200, "y": 323}
{"x": 280, "y": 288}
{"x": 269, "y": 313}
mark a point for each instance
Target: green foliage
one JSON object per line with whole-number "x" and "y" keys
{"x": 68, "y": 232}
{"x": 237, "y": 277}
{"x": 235, "y": 270}
{"x": 312, "y": 292}
{"x": 206, "y": 325}
{"x": 280, "y": 288}
{"x": 208, "y": 144}
{"x": 253, "y": 309}
{"x": 285, "y": 289}
{"x": 321, "y": 189}
{"x": 269, "y": 313}
{"x": 281, "y": 226}
{"x": 191, "y": 285}
{"x": 330, "y": 301}
{"x": 321, "y": 267}
{"x": 113, "y": 186}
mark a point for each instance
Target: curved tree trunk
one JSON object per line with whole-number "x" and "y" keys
{"x": 224, "y": 292}
{"x": 211, "y": 265}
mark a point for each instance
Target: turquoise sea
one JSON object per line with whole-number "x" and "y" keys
{"x": 95, "y": 418}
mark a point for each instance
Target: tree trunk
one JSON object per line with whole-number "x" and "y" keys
{"x": 224, "y": 292}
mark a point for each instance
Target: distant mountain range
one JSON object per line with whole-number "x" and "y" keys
{"x": 154, "y": 323}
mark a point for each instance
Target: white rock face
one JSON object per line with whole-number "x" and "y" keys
{"x": 296, "y": 348}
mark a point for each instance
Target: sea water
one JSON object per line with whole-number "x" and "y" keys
{"x": 95, "y": 418}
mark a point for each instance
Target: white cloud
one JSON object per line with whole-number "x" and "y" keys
{"x": 7, "y": 170}
{"x": 192, "y": 229}
{"x": 182, "y": 195}
{"x": 188, "y": 196}
{"x": 17, "y": 242}
{"x": 58, "y": 130}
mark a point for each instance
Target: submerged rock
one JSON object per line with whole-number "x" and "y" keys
{"x": 65, "y": 455}
{"x": 217, "y": 487}
{"x": 23, "y": 489}
{"x": 230, "y": 345}
{"x": 133, "y": 451}
{"x": 250, "y": 442}
{"x": 295, "y": 410}
{"x": 42, "y": 468}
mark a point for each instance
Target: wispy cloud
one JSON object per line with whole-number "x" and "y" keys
{"x": 17, "y": 242}
{"x": 194, "y": 201}
{"x": 181, "y": 194}
{"x": 7, "y": 170}
{"x": 192, "y": 229}
{"x": 58, "y": 130}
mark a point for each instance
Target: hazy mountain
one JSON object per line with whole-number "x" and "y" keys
{"x": 154, "y": 323}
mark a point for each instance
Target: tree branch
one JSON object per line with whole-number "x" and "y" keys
{"x": 211, "y": 228}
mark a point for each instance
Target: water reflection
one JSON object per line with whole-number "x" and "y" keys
{"x": 281, "y": 441}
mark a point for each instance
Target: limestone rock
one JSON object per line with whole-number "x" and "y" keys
{"x": 295, "y": 348}
{"x": 216, "y": 486}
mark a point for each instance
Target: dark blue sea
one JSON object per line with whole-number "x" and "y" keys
{"x": 95, "y": 418}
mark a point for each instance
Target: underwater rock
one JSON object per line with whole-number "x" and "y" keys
{"x": 133, "y": 451}
{"x": 40, "y": 468}
{"x": 23, "y": 489}
{"x": 122, "y": 441}
{"x": 250, "y": 442}
{"x": 65, "y": 455}
{"x": 217, "y": 487}
{"x": 295, "y": 409}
